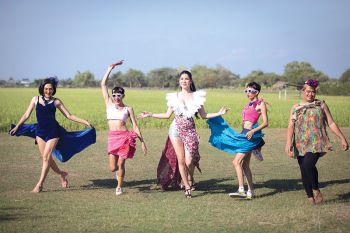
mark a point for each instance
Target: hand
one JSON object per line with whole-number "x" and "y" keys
{"x": 144, "y": 148}
{"x": 13, "y": 131}
{"x": 223, "y": 110}
{"x": 288, "y": 150}
{"x": 144, "y": 115}
{"x": 249, "y": 134}
{"x": 344, "y": 145}
{"x": 88, "y": 124}
{"x": 116, "y": 64}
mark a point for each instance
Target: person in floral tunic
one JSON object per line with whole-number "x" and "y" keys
{"x": 307, "y": 138}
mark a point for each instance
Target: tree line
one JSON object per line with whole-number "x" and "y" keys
{"x": 294, "y": 75}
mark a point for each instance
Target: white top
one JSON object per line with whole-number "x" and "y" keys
{"x": 114, "y": 114}
{"x": 189, "y": 108}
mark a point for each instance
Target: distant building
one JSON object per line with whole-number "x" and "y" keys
{"x": 25, "y": 82}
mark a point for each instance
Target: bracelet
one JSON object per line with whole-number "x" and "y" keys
{"x": 151, "y": 115}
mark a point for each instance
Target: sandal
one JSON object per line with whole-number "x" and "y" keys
{"x": 64, "y": 183}
{"x": 188, "y": 193}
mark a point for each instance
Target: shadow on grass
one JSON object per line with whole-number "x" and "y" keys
{"x": 214, "y": 186}
{"x": 11, "y": 214}
{"x": 141, "y": 185}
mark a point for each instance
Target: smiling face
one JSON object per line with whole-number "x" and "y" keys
{"x": 118, "y": 97}
{"x": 185, "y": 81}
{"x": 251, "y": 93}
{"x": 309, "y": 93}
{"x": 48, "y": 90}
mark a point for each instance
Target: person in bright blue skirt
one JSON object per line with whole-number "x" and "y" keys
{"x": 245, "y": 143}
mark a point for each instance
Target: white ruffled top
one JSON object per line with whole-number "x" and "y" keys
{"x": 189, "y": 108}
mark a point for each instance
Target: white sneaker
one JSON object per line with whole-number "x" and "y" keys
{"x": 258, "y": 155}
{"x": 250, "y": 195}
{"x": 238, "y": 194}
{"x": 118, "y": 191}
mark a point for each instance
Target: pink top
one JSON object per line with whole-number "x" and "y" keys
{"x": 249, "y": 112}
{"x": 114, "y": 114}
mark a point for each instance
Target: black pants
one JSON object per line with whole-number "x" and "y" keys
{"x": 309, "y": 173}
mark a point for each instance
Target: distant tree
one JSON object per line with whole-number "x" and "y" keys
{"x": 66, "y": 82}
{"x": 116, "y": 79}
{"x": 299, "y": 72}
{"x": 265, "y": 79}
{"x": 163, "y": 77}
{"x": 345, "y": 77}
{"x": 134, "y": 78}
{"x": 85, "y": 79}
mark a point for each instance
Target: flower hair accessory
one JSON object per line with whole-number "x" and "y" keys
{"x": 54, "y": 79}
{"x": 312, "y": 83}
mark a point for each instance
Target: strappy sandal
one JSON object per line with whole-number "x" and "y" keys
{"x": 188, "y": 193}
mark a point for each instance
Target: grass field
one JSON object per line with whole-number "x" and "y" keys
{"x": 88, "y": 104}
{"x": 91, "y": 206}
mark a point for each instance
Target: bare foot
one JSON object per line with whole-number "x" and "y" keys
{"x": 318, "y": 196}
{"x": 311, "y": 200}
{"x": 37, "y": 189}
{"x": 64, "y": 180}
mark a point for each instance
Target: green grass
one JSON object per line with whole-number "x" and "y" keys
{"x": 88, "y": 104}
{"x": 91, "y": 206}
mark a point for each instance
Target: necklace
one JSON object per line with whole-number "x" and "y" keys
{"x": 45, "y": 100}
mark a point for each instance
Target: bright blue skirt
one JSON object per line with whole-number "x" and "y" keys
{"x": 224, "y": 138}
{"x": 69, "y": 144}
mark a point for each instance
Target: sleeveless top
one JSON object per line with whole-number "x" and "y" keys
{"x": 249, "y": 112}
{"x": 114, "y": 114}
{"x": 310, "y": 134}
{"x": 48, "y": 127}
{"x": 188, "y": 108}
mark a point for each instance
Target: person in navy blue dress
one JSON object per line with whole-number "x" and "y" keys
{"x": 48, "y": 129}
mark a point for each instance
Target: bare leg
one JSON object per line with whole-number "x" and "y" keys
{"x": 113, "y": 162}
{"x": 46, "y": 161}
{"x": 247, "y": 171}
{"x": 121, "y": 172}
{"x": 238, "y": 165}
{"x": 180, "y": 154}
{"x": 53, "y": 165}
{"x": 190, "y": 166}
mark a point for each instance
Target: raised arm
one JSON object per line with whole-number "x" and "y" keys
{"x": 104, "y": 88}
{"x": 59, "y": 104}
{"x": 205, "y": 115}
{"x": 165, "y": 115}
{"x": 26, "y": 115}
{"x": 137, "y": 130}
{"x": 334, "y": 127}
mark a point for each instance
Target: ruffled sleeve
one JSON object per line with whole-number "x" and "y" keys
{"x": 199, "y": 98}
{"x": 172, "y": 100}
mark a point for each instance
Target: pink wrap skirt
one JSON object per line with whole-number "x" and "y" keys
{"x": 122, "y": 143}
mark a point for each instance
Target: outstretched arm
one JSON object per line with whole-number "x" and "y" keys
{"x": 205, "y": 115}
{"x": 137, "y": 130}
{"x": 66, "y": 113}
{"x": 25, "y": 116}
{"x": 334, "y": 127}
{"x": 165, "y": 115}
{"x": 104, "y": 80}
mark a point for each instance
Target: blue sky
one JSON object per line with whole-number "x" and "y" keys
{"x": 44, "y": 38}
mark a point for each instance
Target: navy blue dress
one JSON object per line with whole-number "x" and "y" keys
{"x": 47, "y": 128}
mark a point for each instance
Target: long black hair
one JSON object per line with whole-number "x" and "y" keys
{"x": 192, "y": 86}
{"x": 53, "y": 81}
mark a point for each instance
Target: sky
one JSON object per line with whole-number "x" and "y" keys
{"x": 41, "y": 38}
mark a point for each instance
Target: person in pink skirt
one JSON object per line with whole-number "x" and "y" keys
{"x": 121, "y": 141}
